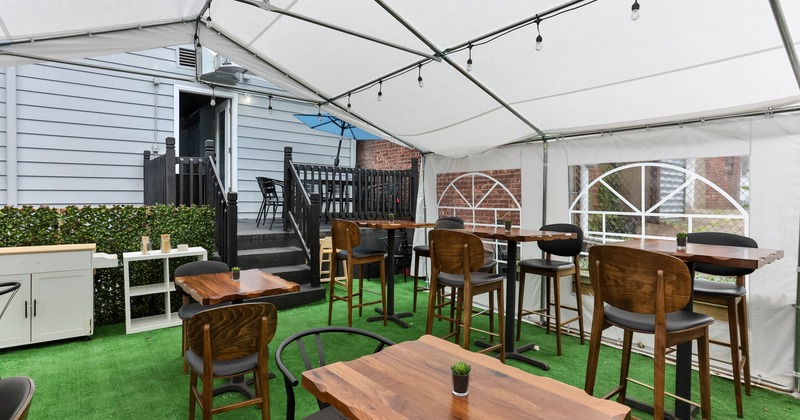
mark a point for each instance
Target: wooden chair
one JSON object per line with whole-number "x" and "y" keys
{"x": 552, "y": 270}
{"x": 645, "y": 292}
{"x": 189, "y": 309}
{"x": 456, "y": 257}
{"x": 424, "y": 251}
{"x": 732, "y": 296}
{"x": 326, "y": 252}
{"x": 296, "y": 349}
{"x": 16, "y": 394}
{"x": 347, "y": 238}
{"x": 226, "y": 342}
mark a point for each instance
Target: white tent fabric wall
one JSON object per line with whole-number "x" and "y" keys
{"x": 774, "y": 149}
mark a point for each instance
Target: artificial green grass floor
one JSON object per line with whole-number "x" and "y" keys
{"x": 140, "y": 376}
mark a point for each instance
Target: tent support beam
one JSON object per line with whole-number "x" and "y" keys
{"x": 458, "y": 68}
{"x": 786, "y": 37}
{"x": 284, "y": 12}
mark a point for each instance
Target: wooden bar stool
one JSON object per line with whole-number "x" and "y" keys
{"x": 424, "y": 251}
{"x": 630, "y": 292}
{"x": 456, "y": 257}
{"x": 732, "y": 296}
{"x": 552, "y": 270}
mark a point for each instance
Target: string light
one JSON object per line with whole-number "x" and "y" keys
{"x": 469, "y": 60}
{"x": 348, "y": 102}
{"x": 380, "y": 90}
{"x": 419, "y": 77}
{"x": 213, "y": 97}
{"x": 269, "y": 108}
{"x": 208, "y": 21}
{"x": 319, "y": 112}
{"x": 538, "y": 35}
{"x": 635, "y": 10}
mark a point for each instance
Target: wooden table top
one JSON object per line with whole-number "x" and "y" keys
{"x": 397, "y": 224}
{"x": 413, "y": 380}
{"x": 518, "y": 235}
{"x": 209, "y": 289}
{"x": 727, "y": 256}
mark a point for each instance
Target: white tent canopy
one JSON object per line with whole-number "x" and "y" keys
{"x": 597, "y": 70}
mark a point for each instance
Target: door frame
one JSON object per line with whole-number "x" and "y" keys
{"x": 232, "y": 184}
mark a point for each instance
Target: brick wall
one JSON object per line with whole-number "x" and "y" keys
{"x": 490, "y": 202}
{"x": 384, "y": 155}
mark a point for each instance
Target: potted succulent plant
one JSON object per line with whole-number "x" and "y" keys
{"x": 460, "y": 372}
{"x": 680, "y": 238}
{"x": 507, "y": 224}
{"x": 235, "y": 271}
{"x": 391, "y": 217}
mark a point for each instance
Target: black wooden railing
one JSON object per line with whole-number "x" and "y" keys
{"x": 301, "y": 214}
{"x": 179, "y": 180}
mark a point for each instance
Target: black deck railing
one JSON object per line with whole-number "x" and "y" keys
{"x": 180, "y": 180}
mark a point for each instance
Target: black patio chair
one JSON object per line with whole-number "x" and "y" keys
{"x": 269, "y": 198}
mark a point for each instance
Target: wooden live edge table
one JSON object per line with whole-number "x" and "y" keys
{"x": 389, "y": 385}
{"x": 512, "y": 237}
{"x": 721, "y": 255}
{"x": 390, "y": 228}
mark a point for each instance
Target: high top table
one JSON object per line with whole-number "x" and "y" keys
{"x": 412, "y": 380}
{"x": 512, "y": 237}
{"x": 726, "y": 256}
{"x": 390, "y": 228}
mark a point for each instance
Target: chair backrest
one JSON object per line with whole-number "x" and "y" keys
{"x": 267, "y": 187}
{"x": 346, "y": 234}
{"x": 318, "y": 347}
{"x": 563, "y": 247}
{"x": 447, "y": 251}
{"x": 196, "y": 268}
{"x": 629, "y": 279}
{"x": 721, "y": 238}
{"x": 451, "y": 222}
{"x": 16, "y": 393}
{"x": 235, "y": 331}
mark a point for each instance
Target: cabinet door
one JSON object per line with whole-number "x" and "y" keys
{"x": 63, "y": 305}
{"x": 15, "y": 325}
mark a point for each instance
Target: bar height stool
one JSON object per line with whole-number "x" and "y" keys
{"x": 733, "y": 296}
{"x": 552, "y": 271}
{"x": 424, "y": 251}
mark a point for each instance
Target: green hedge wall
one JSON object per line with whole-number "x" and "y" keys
{"x": 115, "y": 230}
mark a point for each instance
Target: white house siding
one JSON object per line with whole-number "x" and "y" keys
{"x": 81, "y": 131}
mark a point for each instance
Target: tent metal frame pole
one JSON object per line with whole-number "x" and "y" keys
{"x": 269, "y": 8}
{"x": 458, "y": 68}
{"x": 786, "y": 37}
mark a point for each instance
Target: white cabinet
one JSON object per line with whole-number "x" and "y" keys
{"x": 163, "y": 286}
{"x": 56, "y": 297}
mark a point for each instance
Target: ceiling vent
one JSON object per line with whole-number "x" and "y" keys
{"x": 216, "y": 68}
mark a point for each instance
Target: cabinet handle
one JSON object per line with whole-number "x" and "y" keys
{"x": 34, "y": 307}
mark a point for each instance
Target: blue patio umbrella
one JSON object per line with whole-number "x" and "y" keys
{"x": 334, "y": 125}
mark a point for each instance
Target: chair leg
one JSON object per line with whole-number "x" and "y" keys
{"x": 262, "y": 213}
{"x": 557, "y": 306}
{"x": 659, "y": 364}
{"x": 192, "y": 398}
{"x": 520, "y": 301}
{"x": 383, "y": 291}
{"x": 416, "y": 281}
{"x": 208, "y": 389}
{"x": 594, "y": 353}
{"x": 547, "y": 303}
{"x": 501, "y": 323}
{"x": 627, "y": 344}
{"x": 579, "y": 301}
{"x": 733, "y": 329}
{"x": 466, "y": 318}
{"x": 274, "y": 210}
{"x": 433, "y": 295}
{"x": 744, "y": 338}
{"x": 705, "y": 375}
{"x": 184, "y": 346}
{"x": 263, "y": 386}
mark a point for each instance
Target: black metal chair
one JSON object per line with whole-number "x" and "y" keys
{"x": 16, "y": 393}
{"x": 732, "y": 296}
{"x": 269, "y": 198}
{"x": 552, "y": 271}
{"x": 311, "y": 353}
{"x": 189, "y": 309}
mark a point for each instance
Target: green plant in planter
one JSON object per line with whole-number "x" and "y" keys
{"x": 391, "y": 217}
{"x": 680, "y": 238}
{"x": 235, "y": 271}
{"x": 460, "y": 368}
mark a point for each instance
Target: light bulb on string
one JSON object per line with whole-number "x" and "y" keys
{"x": 349, "y": 107}
{"x": 269, "y": 108}
{"x": 208, "y": 21}
{"x": 469, "y": 60}
{"x": 319, "y": 113}
{"x": 380, "y": 90}
{"x": 419, "y": 77}
{"x": 538, "y": 36}
{"x": 635, "y": 10}
{"x": 213, "y": 98}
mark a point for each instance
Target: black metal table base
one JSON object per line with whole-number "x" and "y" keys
{"x": 391, "y": 317}
{"x": 516, "y": 354}
{"x": 648, "y": 408}
{"x": 236, "y": 384}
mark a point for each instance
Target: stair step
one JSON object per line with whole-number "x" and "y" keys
{"x": 270, "y": 257}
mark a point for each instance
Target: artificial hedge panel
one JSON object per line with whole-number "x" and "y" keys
{"x": 115, "y": 230}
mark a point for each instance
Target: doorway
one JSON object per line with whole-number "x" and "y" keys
{"x": 199, "y": 120}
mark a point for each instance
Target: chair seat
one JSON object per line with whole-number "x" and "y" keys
{"x": 223, "y": 367}
{"x": 676, "y": 321}
{"x": 706, "y": 287}
{"x": 541, "y": 264}
{"x": 477, "y": 278}
{"x": 361, "y": 252}
{"x": 423, "y": 250}
{"x": 190, "y": 310}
